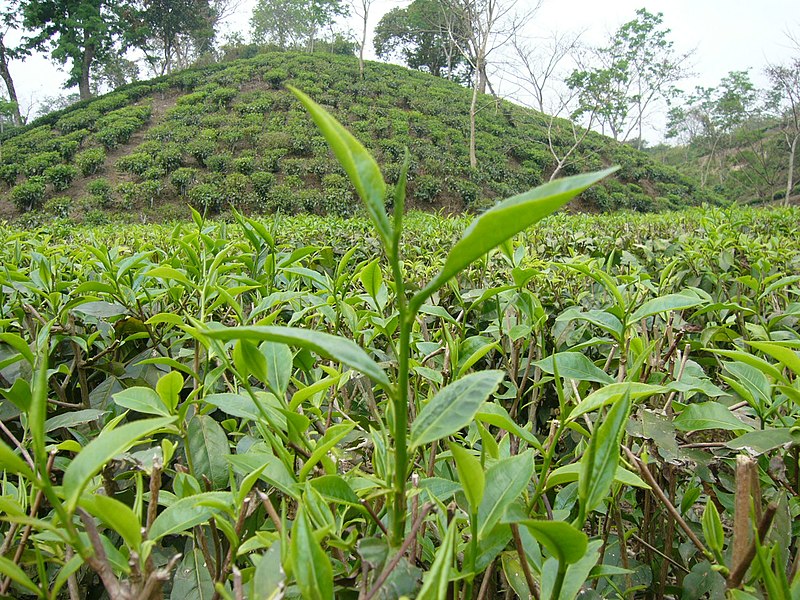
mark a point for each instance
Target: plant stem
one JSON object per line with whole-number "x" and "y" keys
{"x": 400, "y": 433}
{"x": 400, "y": 407}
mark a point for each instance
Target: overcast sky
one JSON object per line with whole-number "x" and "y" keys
{"x": 725, "y": 35}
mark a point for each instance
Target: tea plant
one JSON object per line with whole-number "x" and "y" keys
{"x": 403, "y": 406}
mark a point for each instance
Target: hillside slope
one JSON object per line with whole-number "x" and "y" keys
{"x": 231, "y": 135}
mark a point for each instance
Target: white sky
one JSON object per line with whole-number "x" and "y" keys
{"x": 725, "y": 34}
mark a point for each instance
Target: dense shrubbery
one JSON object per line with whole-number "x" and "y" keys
{"x": 221, "y": 125}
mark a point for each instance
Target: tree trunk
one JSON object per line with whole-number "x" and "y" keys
{"x": 363, "y": 39}
{"x": 12, "y": 91}
{"x": 473, "y": 108}
{"x": 482, "y": 78}
{"x": 790, "y": 177}
{"x": 86, "y": 67}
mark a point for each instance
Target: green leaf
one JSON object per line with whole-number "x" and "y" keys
{"x": 279, "y": 367}
{"x": 434, "y": 584}
{"x": 335, "y": 488}
{"x": 599, "y": 463}
{"x": 167, "y": 273}
{"x": 505, "y": 220}
{"x": 116, "y": 515}
{"x": 326, "y": 345}
{"x": 453, "y": 407}
{"x": 37, "y": 413}
{"x": 311, "y": 566}
{"x": 333, "y": 436}
{"x": 505, "y": 481}
{"x": 753, "y": 380}
{"x": 708, "y": 415}
{"x": 102, "y": 449}
{"x": 574, "y": 365}
{"x": 192, "y": 579}
{"x": 359, "y": 165}
{"x": 73, "y": 418}
{"x": 208, "y": 450}
{"x": 666, "y": 303}
{"x": 371, "y": 277}
{"x": 11, "y": 463}
{"x": 786, "y": 356}
{"x": 571, "y": 472}
{"x": 267, "y": 582}
{"x": 188, "y": 512}
{"x": 17, "y": 575}
{"x": 169, "y": 388}
{"x": 712, "y": 528}
{"x": 470, "y": 474}
{"x": 566, "y": 543}
{"x": 762, "y": 441}
{"x": 494, "y": 414}
{"x": 754, "y": 361}
{"x": 249, "y": 360}
{"x": 18, "y": 344}
{"x": 612, "y": 393}
{"x": 141, "y": 399}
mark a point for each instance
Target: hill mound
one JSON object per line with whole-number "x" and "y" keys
{"x": 230, "y": 134}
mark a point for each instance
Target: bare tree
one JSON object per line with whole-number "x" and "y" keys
{"x": 785, "y": 81}
{"x": 483, "y": 26}
{"x": 537, "y": 64}
{"x": 361, "y": 9}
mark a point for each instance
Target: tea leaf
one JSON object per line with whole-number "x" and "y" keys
{"x": 470, "y": 474}
{"x": 169, "y": 388}
{"x": 311, "y": 566}
{"x": 141, "y": 399}
{"x": 192, "y": 579}
{"x": 434, "y": 584}
{"x": 453, "y": 407}
{"x": 574, "y": 365}
{"x": 188, "y": 512}
{"x": 505, "y": 482}
{"x": 208, "y": 449}
{"x": 599, "y": 463}
{"x": 116, "y": 515}
{"x": 666, "y": 303}
{"x": 708, "y": 415}
{"x": 562, "y": 540}
{"x": 102, "y": 449}
{"x": 326, "y": 345}
{"x": 506, "y": 220}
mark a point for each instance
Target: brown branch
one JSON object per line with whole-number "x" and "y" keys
{"x": 523, "y": 559}
{"x": 659, "y": 493}
{"x": 487, "y": 579}
{"x": 155, "y": 487}
{"x": 738, "y": 573}
{"x": 273, "y": 514}
{"x": 374, "y": 516}
{"x": 400, "y": 553}
{"x": 99, "y": 561}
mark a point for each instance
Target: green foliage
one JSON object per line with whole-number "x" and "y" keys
{"x": 90, "y": 161}
{"x": 29, "y": 194}
{"x": 36, "y": 164}
{"x": 206, "y": 197}
{"x": 183, "y": 178}
{"x": 239, "y": 117}
{"x": 101, "y": 189}
{"x": 137, "y": 163}
{"x": 60, "y": 176}
{"x": 58, "y": 206}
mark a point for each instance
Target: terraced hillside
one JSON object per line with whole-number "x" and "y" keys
{"x": 230, "y": 134}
